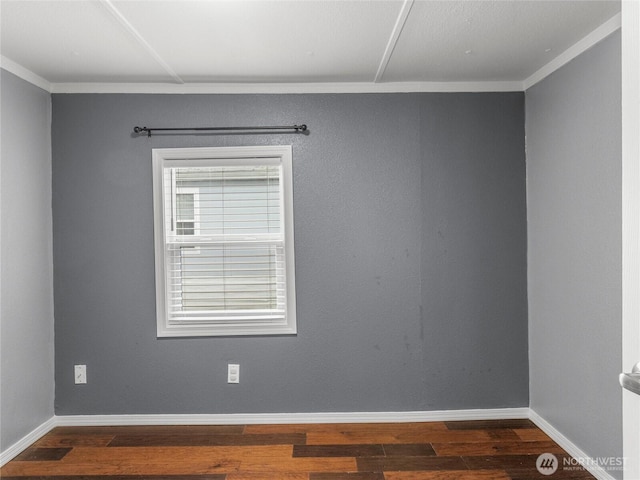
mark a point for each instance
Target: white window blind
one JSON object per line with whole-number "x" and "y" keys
{"x": 226, "y": 239}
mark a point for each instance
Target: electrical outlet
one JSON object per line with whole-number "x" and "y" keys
{"x": 80, "y": 374}
{"x": 233, "y": 373}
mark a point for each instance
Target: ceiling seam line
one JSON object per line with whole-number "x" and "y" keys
{"x": 393, "y": 40}
{"x": 140, "y": 39}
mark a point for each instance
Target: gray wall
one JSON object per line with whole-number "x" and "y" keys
{"x": 410, "y": 228}
{"x": 474, "y": 296}
{"x": 26, "y": 293}
{"x": 575, "y": 259}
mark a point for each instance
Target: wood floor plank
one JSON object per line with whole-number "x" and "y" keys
{"x": 390, "y": 437}
{"x": 487, "y": 424}
{"x": 408, "y": 450}
{"x": 286, "y": 428}
{"x": 326, "y": 434}
{"x": 74, "y": 440}
{"x": 151, "y": 430}
{"x": 178, "y": 455}
{"x": 496, "y": 448}
{"x": 37, "y": 454}
{"x": 267, "y": 476}
{"x": 449, "y": 475}
{"x": 389, "y": 428}
{"x": 347, "y": 476}
{"x": 502, "y": 434}
{"x": 532, "y": 435}
{"x": 364, "y": 450}
{"x": 396, "y": 464}
{"x": 299, "y": 465}
{"x": 207, "y": 440}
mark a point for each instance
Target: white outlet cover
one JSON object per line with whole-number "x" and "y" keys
{"x": 80, "y": 374}
{"x": 233, "y": 373}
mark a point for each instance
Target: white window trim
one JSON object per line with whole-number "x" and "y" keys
{"x": 166, "y": 157}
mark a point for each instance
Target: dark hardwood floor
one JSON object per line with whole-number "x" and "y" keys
{"x": 484, "y": 450}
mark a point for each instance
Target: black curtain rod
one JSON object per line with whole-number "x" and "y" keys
{"x": 296, "y": 128}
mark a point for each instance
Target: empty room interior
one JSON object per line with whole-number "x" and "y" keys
{"x": 315, "y": 240}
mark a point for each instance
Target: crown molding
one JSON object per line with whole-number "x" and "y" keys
{"x": 24, "y": 73}
{"x": 286, "y": 88}
{"x": 599, "y": 34}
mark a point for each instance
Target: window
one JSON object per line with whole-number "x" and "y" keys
{"x": 224, "y": 241}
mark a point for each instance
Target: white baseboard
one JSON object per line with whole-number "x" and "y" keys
{"x": 570, "y": 447}
{"x": 283, "y": 418}
{"x": 15, "y": 449}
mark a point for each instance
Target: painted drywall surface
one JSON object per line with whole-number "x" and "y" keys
{"x": 364, "y": 342}
{"x": 474, "y": 250}
{"x": 575, "y": 260}
{"x": 27, "y": 385}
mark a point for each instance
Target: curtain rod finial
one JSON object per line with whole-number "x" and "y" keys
{"x": 137, "y": 129}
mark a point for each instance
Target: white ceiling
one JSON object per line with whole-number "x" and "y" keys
{"x": 393, "y": 44}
